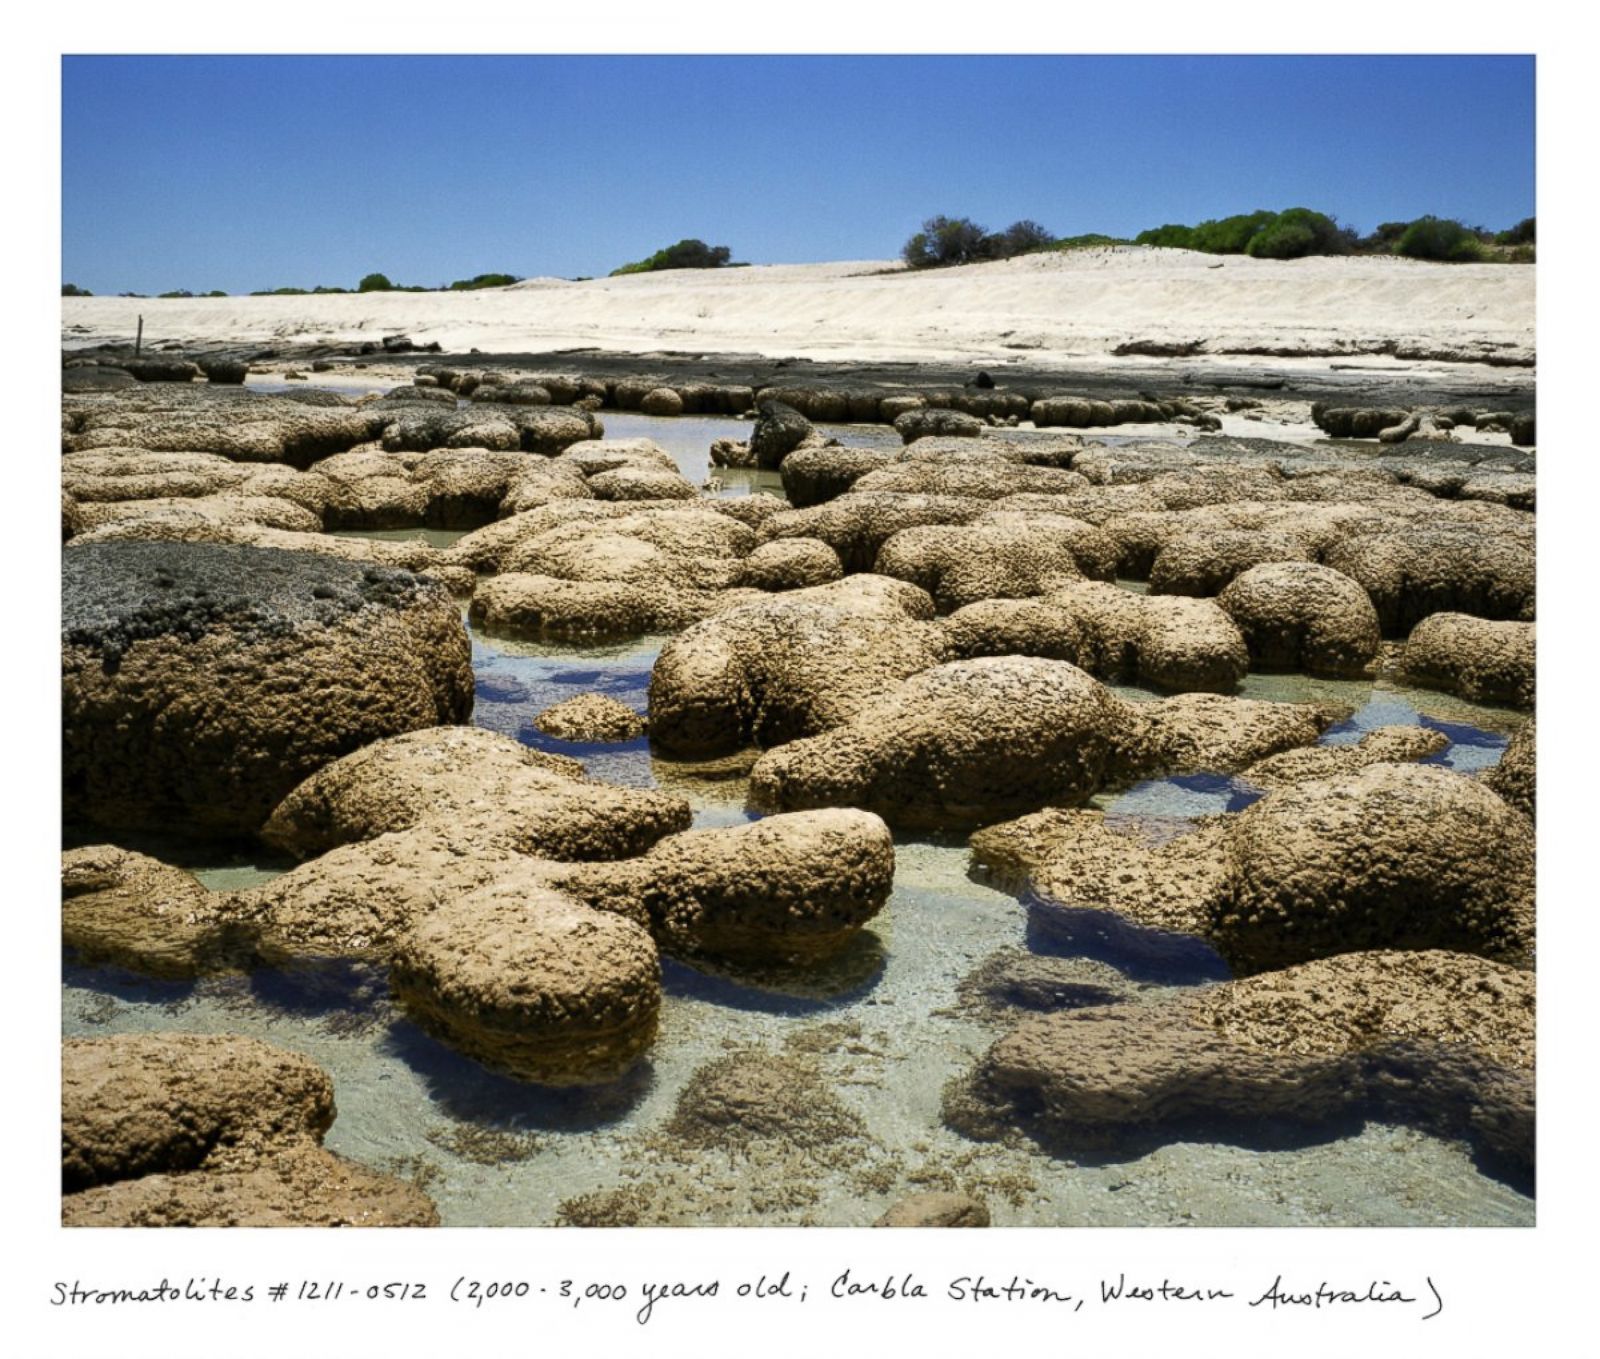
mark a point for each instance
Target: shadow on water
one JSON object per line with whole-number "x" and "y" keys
{"x": 797, "y": 990}
{"x": 530, "y": 736}
{"x": 1138, "y": 953}
{"x": 604, "y": 681}
{"x": 471, "y": 1093}
{"x": 343, "y": 996}
{"x": 120, "y": 983}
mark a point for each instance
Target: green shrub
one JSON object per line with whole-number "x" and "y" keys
{"x": 215, "y": 292}
{"x": 279, "y": 292}
{"x": 1521, "y": 234}
{"x": 1020, "y": 238}
{"x": 1173, "y": 236}
{"x": 177, "y": 292}
{"x": 73, "y": 290}
{"x": 1439, "y": 238}
{"x": 1230, "y": 235}
{"x": 1088, "y": 239}
{"x": 483, "y": 281}
{"x": 375, "y": 283}
{"x": 686, "y": 254}
{"x": 947, "y": 240}
{"x": 1298, "y": 232}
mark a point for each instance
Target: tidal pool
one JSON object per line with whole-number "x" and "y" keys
{"x": 883, "y": 1029}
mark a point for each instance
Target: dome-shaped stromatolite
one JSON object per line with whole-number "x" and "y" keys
{"x": 531, "y": 983}
{"x": 202, "y": 682}
{"x": 1203, "y": 564}
{"x": 783, "y": 889}
{"x": 1514, "y": 777}
{"x": 920, "y": 424}
{"x": 1013, "y": 627}
{"x": 789, "y": 666}
{"x": 1393, "y": 856}
{"x": 591, "y": 717}
{"x": 483, "y": 785}
{"x": 1485, "y": 661}
{"x": 1300, "y": 616}
{"x": 1419, "y": 569}
{"x": 1167, "y": 641}
{"x": 778, "y": 431}
{"x": 960, "y": 744}
{"x": 1001, "y": 556}
{"x": 174, "y": 1130}
{"x": 1433, "y": 1038}
{"x": 661, "y": 401}
{"x": 814, "y": 475}
{"x": 790, "y": 564}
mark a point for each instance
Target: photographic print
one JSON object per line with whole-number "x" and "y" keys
{"x": 787, "y": 641}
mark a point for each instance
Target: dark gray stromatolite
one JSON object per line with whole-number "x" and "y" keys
{"x": 201, "y": 682}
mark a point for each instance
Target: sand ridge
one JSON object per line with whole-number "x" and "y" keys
{"x": 1037, "y": 308}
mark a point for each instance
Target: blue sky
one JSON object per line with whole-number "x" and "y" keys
{"x": 255, "y": 172}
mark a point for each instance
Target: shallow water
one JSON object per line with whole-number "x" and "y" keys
{"x": 886, "y": 1026}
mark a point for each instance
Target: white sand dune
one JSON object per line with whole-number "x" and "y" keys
{"x": 1041, "y": 308}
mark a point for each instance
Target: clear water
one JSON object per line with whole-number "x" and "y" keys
{"x": 884, "y": 1028}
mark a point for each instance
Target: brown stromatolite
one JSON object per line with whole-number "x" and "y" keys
{"x": 531, "y": 983}
{"x": 1439, "y": 1039}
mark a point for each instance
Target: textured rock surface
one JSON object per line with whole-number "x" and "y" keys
{"x": 936, "y": 1209}
{"x": 484, "y": 786}
{"x": 1300, "y": 616}
{"x": 790, "y": 564}
{"x": 202, "y": 682}
{"x": 789, "y": 666}
{"x": 210, "y": 1130}
{"x": 1485, "y": 661}
{"x": 1003, "y": 556}
{"x": 959, "y": 744}
{"x": 1423, "y": 569}
{"x": 1166, "y": 641}
{"x": 531, "y": 983}
{"x": 129, "y": 909}
{"x": 1392, "y": 856}
{"x": 591, "y": 717}
{"x": 1389, "y": 856}
{"x": 1514, "y": 777}
{"x": 1385, "y": 745}
{"x": 785, "y": 888}
{"x": 1204, "y": 564}
{"x": 1434, "y": 1038}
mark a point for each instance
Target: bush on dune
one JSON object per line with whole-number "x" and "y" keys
{"x": 686, "y": 254}
{"x": 960, "y": 240}
{"x": 1439, "y": 238}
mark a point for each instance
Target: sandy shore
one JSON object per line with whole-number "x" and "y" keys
{"x": 1043, "y": 309}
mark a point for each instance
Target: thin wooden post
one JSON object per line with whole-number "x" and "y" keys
{"x": 138, "y": 340}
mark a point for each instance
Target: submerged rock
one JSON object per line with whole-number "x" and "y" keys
{"x": 936, "y": 1208}
{"x": 1437, "y": 1039}
{"x": 591, "y": 717}
{"x": 1386, "y": 857}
